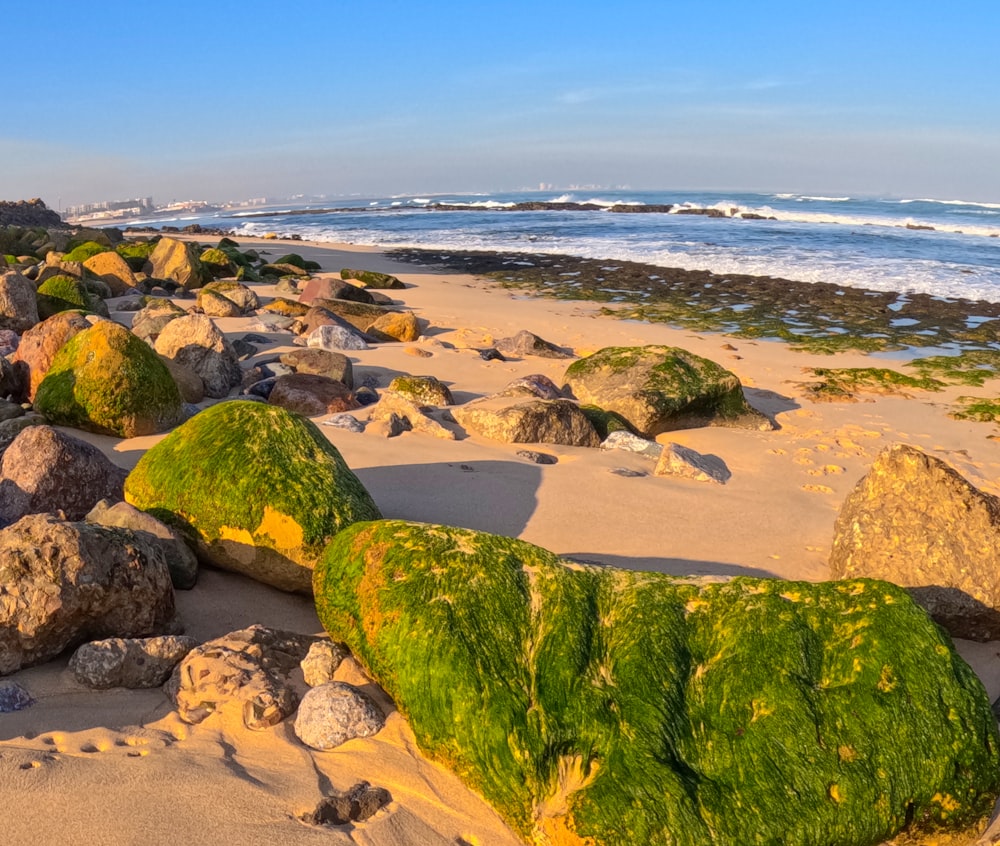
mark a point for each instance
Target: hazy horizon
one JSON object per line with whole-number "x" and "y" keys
{"x": 238, "y": 101}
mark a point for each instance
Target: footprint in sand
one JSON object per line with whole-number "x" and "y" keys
{"x": 817, "y": 489}
{"x": 828, "y": 470}
{"x": 776, "y": 451}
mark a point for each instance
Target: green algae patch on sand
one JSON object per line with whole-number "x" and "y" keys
{"x": 106, "y": 380}
{"x": 600, "y": 706}
{"x": 970, "y": 367}
{"x": 660, "y": 388}
{"x": 842, "y": 384}
{"x": 980, "y": 409}
{"x": 259, "y": 489}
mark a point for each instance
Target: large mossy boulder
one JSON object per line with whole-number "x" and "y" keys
{"x": 599, "y": 706}
{"x": 106, "y": 380}
{"x": 178, "y": 261}
{"x": 259, "y": 489}
{"x": 373, "y": 279}
{"x": 659, "y": 389}
{"x": 66, "y": 293}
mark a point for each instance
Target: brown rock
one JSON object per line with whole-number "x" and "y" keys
{"x": 286, "y": 308}
{"x": 678, "y": 460}
{"x": 514, "y": 421}
{"x": 246, "y": 671}
{"x": 40, "y": 344}
{"x": 188, "y": 382}
{"x": 395, "y": 413}
{"x": 527, "y": 343}
{"x": 327, "y": 288}
{"x": 319, "y": 362}
{"x": 423, "y": 390}
{"x": 178, "y": 261}
{"x": 46, "y": 470}
{"x": 113, "y": 270}
{"x": 66, "y": 583}
{"x": 396, "y": 326}
{"x": 18, "y": 304}
{"x": 309, "y": 394}
{"x": 913, "y": 520}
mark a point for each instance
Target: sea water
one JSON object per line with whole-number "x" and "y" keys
{"x": 948, "y": 248}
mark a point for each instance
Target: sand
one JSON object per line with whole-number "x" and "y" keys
{"x": 119, "y": 767}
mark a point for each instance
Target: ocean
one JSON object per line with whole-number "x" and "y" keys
{"x": 941, "y": 247}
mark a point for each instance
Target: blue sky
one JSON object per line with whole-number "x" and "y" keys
{"x": 225, "y": 100}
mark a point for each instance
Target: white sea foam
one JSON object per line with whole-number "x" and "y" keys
{"x": 953, "y": 203}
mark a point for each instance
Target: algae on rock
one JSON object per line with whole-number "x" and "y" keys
{"x": 258, "y": 488}
{"x": 106, "y": 380}
{"x": 599, "y": 706}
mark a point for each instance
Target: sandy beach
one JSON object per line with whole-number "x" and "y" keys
{"x": 120, "y": 767}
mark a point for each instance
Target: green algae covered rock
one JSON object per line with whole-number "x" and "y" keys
{"x": 86, "y": 250}
{"x": 372, "y": 279}
{"x": 258, "y": 488}
{"x": 64, "y": 293}
{"x": 599, "y": 706}
{"x": 136, "y": 253}
{"x": 106, "y": 380}
{"x": 659, "y": 389}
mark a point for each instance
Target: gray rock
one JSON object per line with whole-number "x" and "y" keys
{"x": 537, "y": 457}
{"x": 535, "y": 385}
{"x": 535, "y": 421}
{"x": 246, "y": 670}
{"x": 181, "y": 561}
{"x": 335, "y": 712}
{"x": 13, "y": 697}
{"x": 686, "y": 463}
{"x": 333, "y": 365}
{"x": 527, "y": 343}
{"x": 65, "y": 583}
{"x": 628, "y": 472}
{"x": 135, "y": 663}
{"x": 403, "y": 414}
{"x": 196, "y": 342}
{"x": 422, "y": 390}
{"x": 18, "y": 302}
{"x": 346, "y": 421}
{"x": 333, "y": 338}
{"x": 9, "y": 339}
{"x": 44, "y": 469}
{"x": 321, "y": 662}
{"x": 620, "y": 439}
{"x": 357, "y": 804}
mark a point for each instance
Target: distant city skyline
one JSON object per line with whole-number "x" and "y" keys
{"x": 868, "y": 99}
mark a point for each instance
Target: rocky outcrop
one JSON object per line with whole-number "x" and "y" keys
{"x": 257, "y": 488}
{"x": 106, "y": 380}
{"x": 245, "y": 672}
{"x": 46, "y": 470}
{"x": 28, "y": 213}
{"x": 596, "y": 705}
{"x": 914, "y": 521}
{"x": 194, "y": 341}
{"x": 514, "y": 421}
{"x": 66, "y": 583}
{"x": 658, "y": 389}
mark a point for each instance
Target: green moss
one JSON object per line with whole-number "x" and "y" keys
{"x": 217, "y": 262}
{"x": 970, "y": 367}
{"x": 844, "y": 383}
{"x": 630, "y": 707}
{"x": 372, "y": 279}
{"x": 136, "y": 253}
{"x": 425, "y": 390}
{"x": 296, "y": 260}
{"x": 86, "y": 250}
{"x": 256, "y": 474}
{"x": 63, "y": 293}
{"x": 980, "y": 409}
{"x": 106, "y": 380}
{"x": 606, "y": 422}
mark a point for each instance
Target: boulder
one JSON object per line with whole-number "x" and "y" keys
{"x": 527, "y": 343}
{"x": 180, "y": 559}
{"x": 245, "y": 672}
{"x": 216, "y": 305}
{"x": 47, "y": 470}
{"x": 372, "y": 279}
{"x": 114, "y": 271}
{"x": 64, "y": 293}
{"x": 259, "y": 489}
{"x": 358, "y": 315}
{"x": 596, "y": 705}
{"x": 18, "y": 305}
{"x": 237, "y": 293}
{"x": 177, "y": 261}
{"x": 11, "y": 428}
{"x": 535, "y": 385}
{"x": 328, "y": 363}
{"x": 658, "y": 389}
{"x": 67, "y": 583}
{"x": 286, "y": 308}
{"x": 217, "y": 262}
{"x": 149, "y": 321}
{"x": 516, "y": 421}
{"x": 914, "y": 521}
{"x": 133, "y": 663}
{"x": 106, "y": 380}
{"x": 309, "y": 394}
{"x": 423, "y": 390}
{"x": 194, "y": 341}
{"x": 396, "y": 413}
{"x": 326, "y": 288}
{"x": 396, "y": 326}
{"x": 331, "y": 714}
{"x": 189, "y": 383}
{"x": 40, "y": 344}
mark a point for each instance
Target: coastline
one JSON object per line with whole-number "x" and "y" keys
{"x": 773, "y": 518}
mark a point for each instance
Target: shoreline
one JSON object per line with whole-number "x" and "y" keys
{"x": 773, "y": 518}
